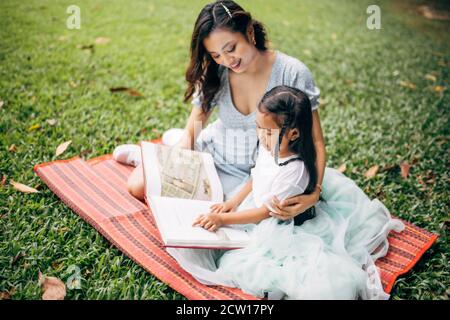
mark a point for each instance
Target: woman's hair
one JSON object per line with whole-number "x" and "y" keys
{"x": 291, "y": 108}
{"x": 202, "y": 71}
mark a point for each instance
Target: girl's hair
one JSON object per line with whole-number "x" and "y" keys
{"x": 291, "y": 108}
{"x": 202, "y": 71}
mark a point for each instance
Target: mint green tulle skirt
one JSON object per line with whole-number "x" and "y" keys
{"x": 331, "y": 256}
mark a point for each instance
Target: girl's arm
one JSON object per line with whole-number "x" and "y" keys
{"x": 196, "y": 122}
{"x": 240, "y": 196}
{"x": 245, "y": 216}
{"x": 213, "y": 221}
{"x": 293, "y": 206}
{"x": 235, "y": 201}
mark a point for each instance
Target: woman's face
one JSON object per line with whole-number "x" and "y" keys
{"x": 230, "y": 49}
{"x": 268, "y": 132}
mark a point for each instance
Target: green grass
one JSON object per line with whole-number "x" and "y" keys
{"x": 368, "y": 119}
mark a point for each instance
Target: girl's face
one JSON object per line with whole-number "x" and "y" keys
{"x": 268, "y": 132}
{"x": 230, "y": 49}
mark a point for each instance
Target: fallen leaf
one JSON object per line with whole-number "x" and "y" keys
{"x": 57, "y": 265}
{"x": 438, "y": 88}
{"x": 430, "y": 77}
{"x": 379, "y": 192}
{"x": 12, "y": 148}
{"x": 62, "y": 147}
{"x": 52, "y": 287}
{"x": 388, "y": 167}
{"x": 23, "y": 188}
{"x": 62, "y": 38}
{"x": 334, "y": 36}
{"x": 342, "y": 168}
{"x": 51, "y": 122}
{"x": 404, "y": 168}
{"x": 416, "y": 158}
{"x": 126, "y": 90}
{"x": 432, "y": 13}
{"x": 18, "y": 256}
{"x": 431, "y": 177}
{"x": 307, "y": 52}
{"x": 3, "y": 182}
{"x": 102, "y": 40}
{"x": 85, "y": 152}
{"x": 34, "y": 127}
{"x": 408, "y": 84}
{"x": 1, "y": 103}
{"x": 422, "y": 183}
{"x": 372, "y": 172}
{"x": 63, "y": 230}
{"x": 5, "y": 295}
{"x": 89, "y": 47}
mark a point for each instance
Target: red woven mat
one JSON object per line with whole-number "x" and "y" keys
{"x": 96, "y": 190}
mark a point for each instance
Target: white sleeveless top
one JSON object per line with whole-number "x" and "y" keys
{"x": 270, "y": 179}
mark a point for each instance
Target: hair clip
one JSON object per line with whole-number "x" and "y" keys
{"x": 226, "y": 9}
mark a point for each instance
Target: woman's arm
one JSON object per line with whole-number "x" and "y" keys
{"x": 319, "y": 143}
{"x": 196, "y": 122}
{"x": 293, "y": 206}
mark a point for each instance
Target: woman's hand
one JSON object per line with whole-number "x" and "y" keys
{"x": 289, "y": 208}
{"x": 226, "y": 206}
{"x": 210, "y": 221}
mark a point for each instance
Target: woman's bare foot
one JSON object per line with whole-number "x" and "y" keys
{"x": 135, "y": 183}
{"x": 129, "y": 154}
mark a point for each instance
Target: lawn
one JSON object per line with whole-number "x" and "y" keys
{"x": 385, "y": 102}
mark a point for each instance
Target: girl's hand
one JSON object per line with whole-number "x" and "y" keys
{"x": 226, "y": 206}
{"x": 294, "y": 206}
{"x": 210, "y": 221}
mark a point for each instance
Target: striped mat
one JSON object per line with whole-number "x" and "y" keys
{"x": 96, "y": 190}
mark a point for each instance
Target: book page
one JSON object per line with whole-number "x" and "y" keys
{"x": 180, "y": 173}
{"x": 175, "y": 217}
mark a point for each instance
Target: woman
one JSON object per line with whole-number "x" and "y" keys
{"x": 231, "y": 67}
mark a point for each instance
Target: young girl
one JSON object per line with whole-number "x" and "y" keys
{"x": 285, "y": 165}
{"x": 328, "y": 257}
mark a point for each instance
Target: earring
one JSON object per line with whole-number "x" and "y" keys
{"x": 254, "y": 41}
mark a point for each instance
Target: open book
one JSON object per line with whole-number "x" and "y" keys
{"x": 180, "y": 185}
